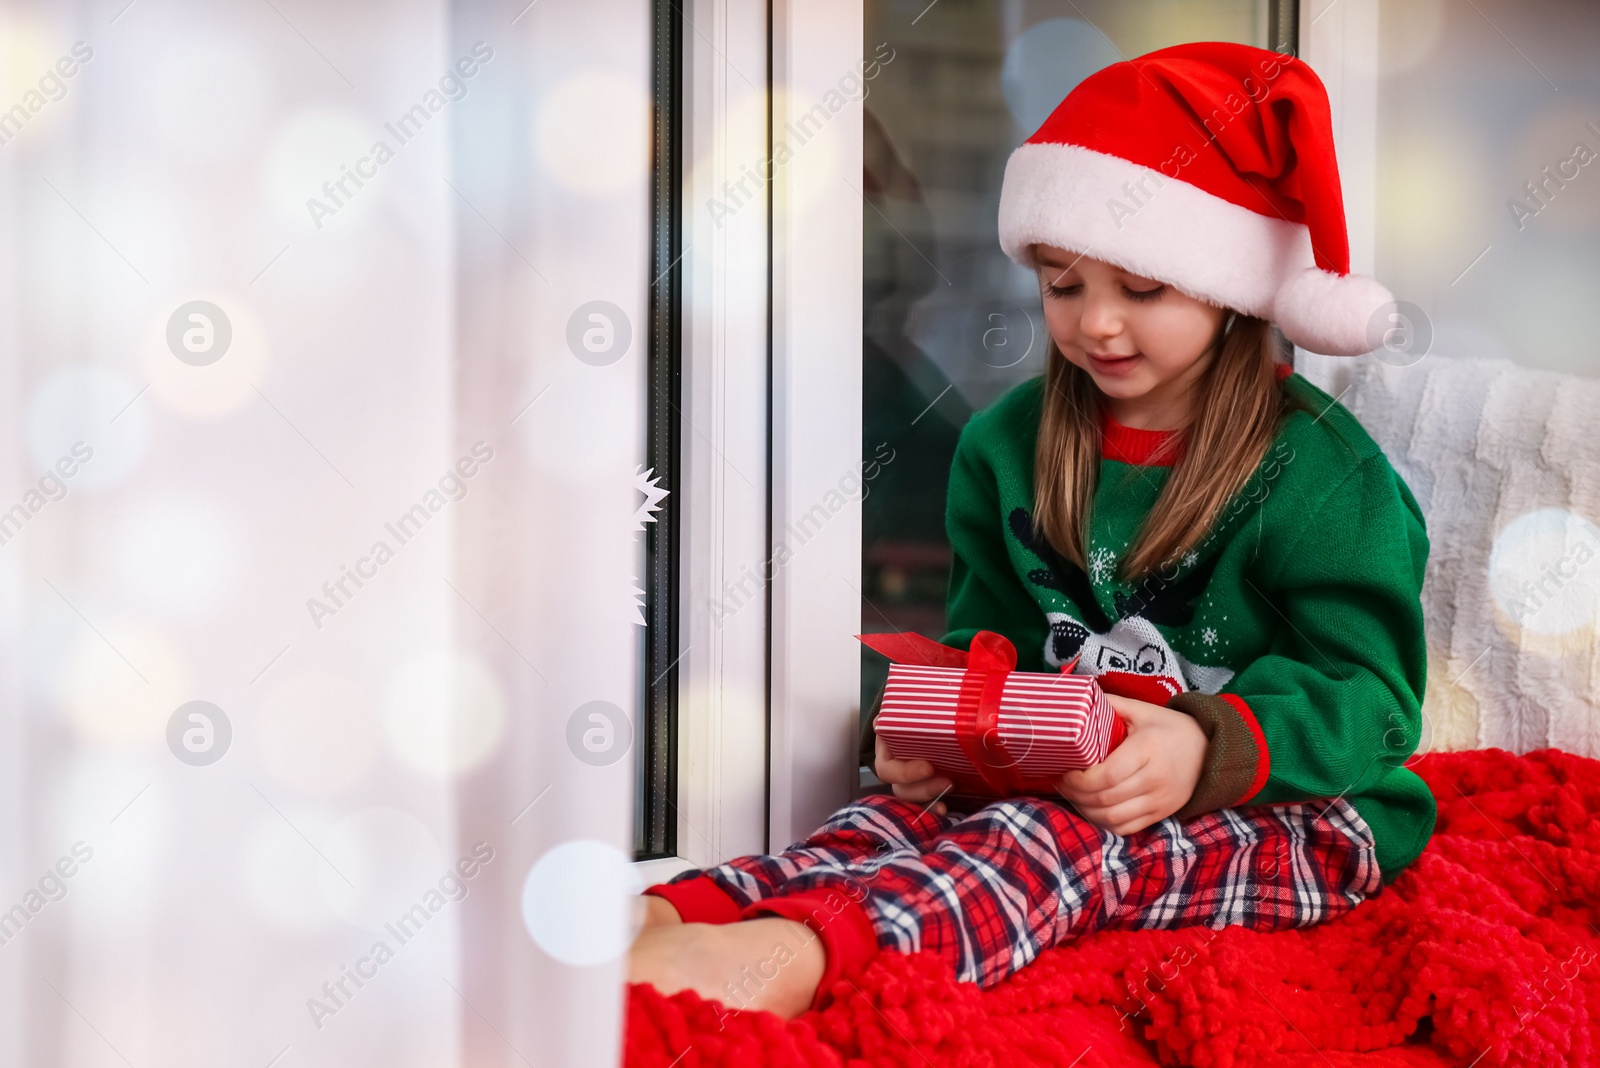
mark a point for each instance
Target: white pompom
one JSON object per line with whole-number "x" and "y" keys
{"x": 1335, "y": 315}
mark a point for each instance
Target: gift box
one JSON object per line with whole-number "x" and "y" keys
{"x": 993, "y": 731}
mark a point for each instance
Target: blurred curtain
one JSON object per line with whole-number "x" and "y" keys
{"x": 323, "y": 351}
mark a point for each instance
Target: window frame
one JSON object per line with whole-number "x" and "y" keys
{"x": 770, "y": 419}
{"x": 1340, "y": 42}
{"x": 655, "y": 830}
{"x": 817, "y": 421}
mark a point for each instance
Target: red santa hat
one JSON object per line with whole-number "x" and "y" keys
{"x": 1208, "y": 166}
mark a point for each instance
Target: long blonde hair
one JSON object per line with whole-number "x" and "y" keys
{"x": 1238, "y": 413}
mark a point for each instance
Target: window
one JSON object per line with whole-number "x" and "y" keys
{"x": 1487, "y": 200}
{"x": 948, "y": 322}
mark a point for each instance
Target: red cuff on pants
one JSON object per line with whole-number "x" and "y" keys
{"x": 698, "y": 900}
{"x": 848, "y": 939}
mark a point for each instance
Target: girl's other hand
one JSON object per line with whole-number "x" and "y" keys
{"x": 1147, "y": 778}
{"x": 912, "y": 780}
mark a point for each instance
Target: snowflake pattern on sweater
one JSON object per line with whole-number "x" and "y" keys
{"x": 1095, "y": 643}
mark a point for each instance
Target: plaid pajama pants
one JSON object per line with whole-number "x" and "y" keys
{"x": 990, "y": 890}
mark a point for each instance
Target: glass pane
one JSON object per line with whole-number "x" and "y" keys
{"x": 655, "y": 755}
{"x": 1488, "y": 205}
{"x": 949, "y": 323}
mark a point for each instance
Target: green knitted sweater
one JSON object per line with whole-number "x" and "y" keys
{"x": 1294, "y": 628}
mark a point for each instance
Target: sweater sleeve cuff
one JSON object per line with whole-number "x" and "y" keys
{"x": 697, "y": 899}
{"x": 1237, "y": 762}
{"x": 849, "y": 942}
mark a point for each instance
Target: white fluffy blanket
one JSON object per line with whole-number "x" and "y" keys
{"x": 1505, "y": 462}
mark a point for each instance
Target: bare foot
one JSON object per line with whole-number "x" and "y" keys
{"x": 769, "y": 964}
{"x": 658, "y": 912}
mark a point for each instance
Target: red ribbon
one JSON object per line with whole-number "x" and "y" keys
{"x": 987, "y": 662}
{"x": 990, "y": 659}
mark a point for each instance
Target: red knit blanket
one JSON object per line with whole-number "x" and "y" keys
{"x": 1486, "y": 951}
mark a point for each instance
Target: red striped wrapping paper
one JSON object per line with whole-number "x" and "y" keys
{"x": 1042, "y": 724}
{"x": 1048, "y": 724}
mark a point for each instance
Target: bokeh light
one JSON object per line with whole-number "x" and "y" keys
{"x": 28, "y": 50}
{"x": 1544, "y": 574}
{"x": 122, "y": 683}
{"x": 183, "y": 554}
{"x": 309, "y": 150}
{"x": 1435, "y": 204}
{"x": 99, "y": 406}
{"x": 593, "y": 134}
{"x": 444, "y": 713}
{"x": 124, "y": 820}
{"x": 577, "y": 902}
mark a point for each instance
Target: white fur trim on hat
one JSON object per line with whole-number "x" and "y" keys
{"x": 1164, "y": 228}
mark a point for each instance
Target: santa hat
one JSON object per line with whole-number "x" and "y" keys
{"x": 1208, "y": 166}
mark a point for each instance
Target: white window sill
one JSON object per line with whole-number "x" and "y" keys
{"x": 660, "y": 869}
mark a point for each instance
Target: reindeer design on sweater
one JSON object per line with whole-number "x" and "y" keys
{"x": 1129, "y": 650}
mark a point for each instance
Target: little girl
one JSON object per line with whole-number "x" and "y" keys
{"x": 1173, "y": 509}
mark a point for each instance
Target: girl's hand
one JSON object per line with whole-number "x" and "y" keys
{"x": 912, "y": 779}
{"x": 1147, "y": 778}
